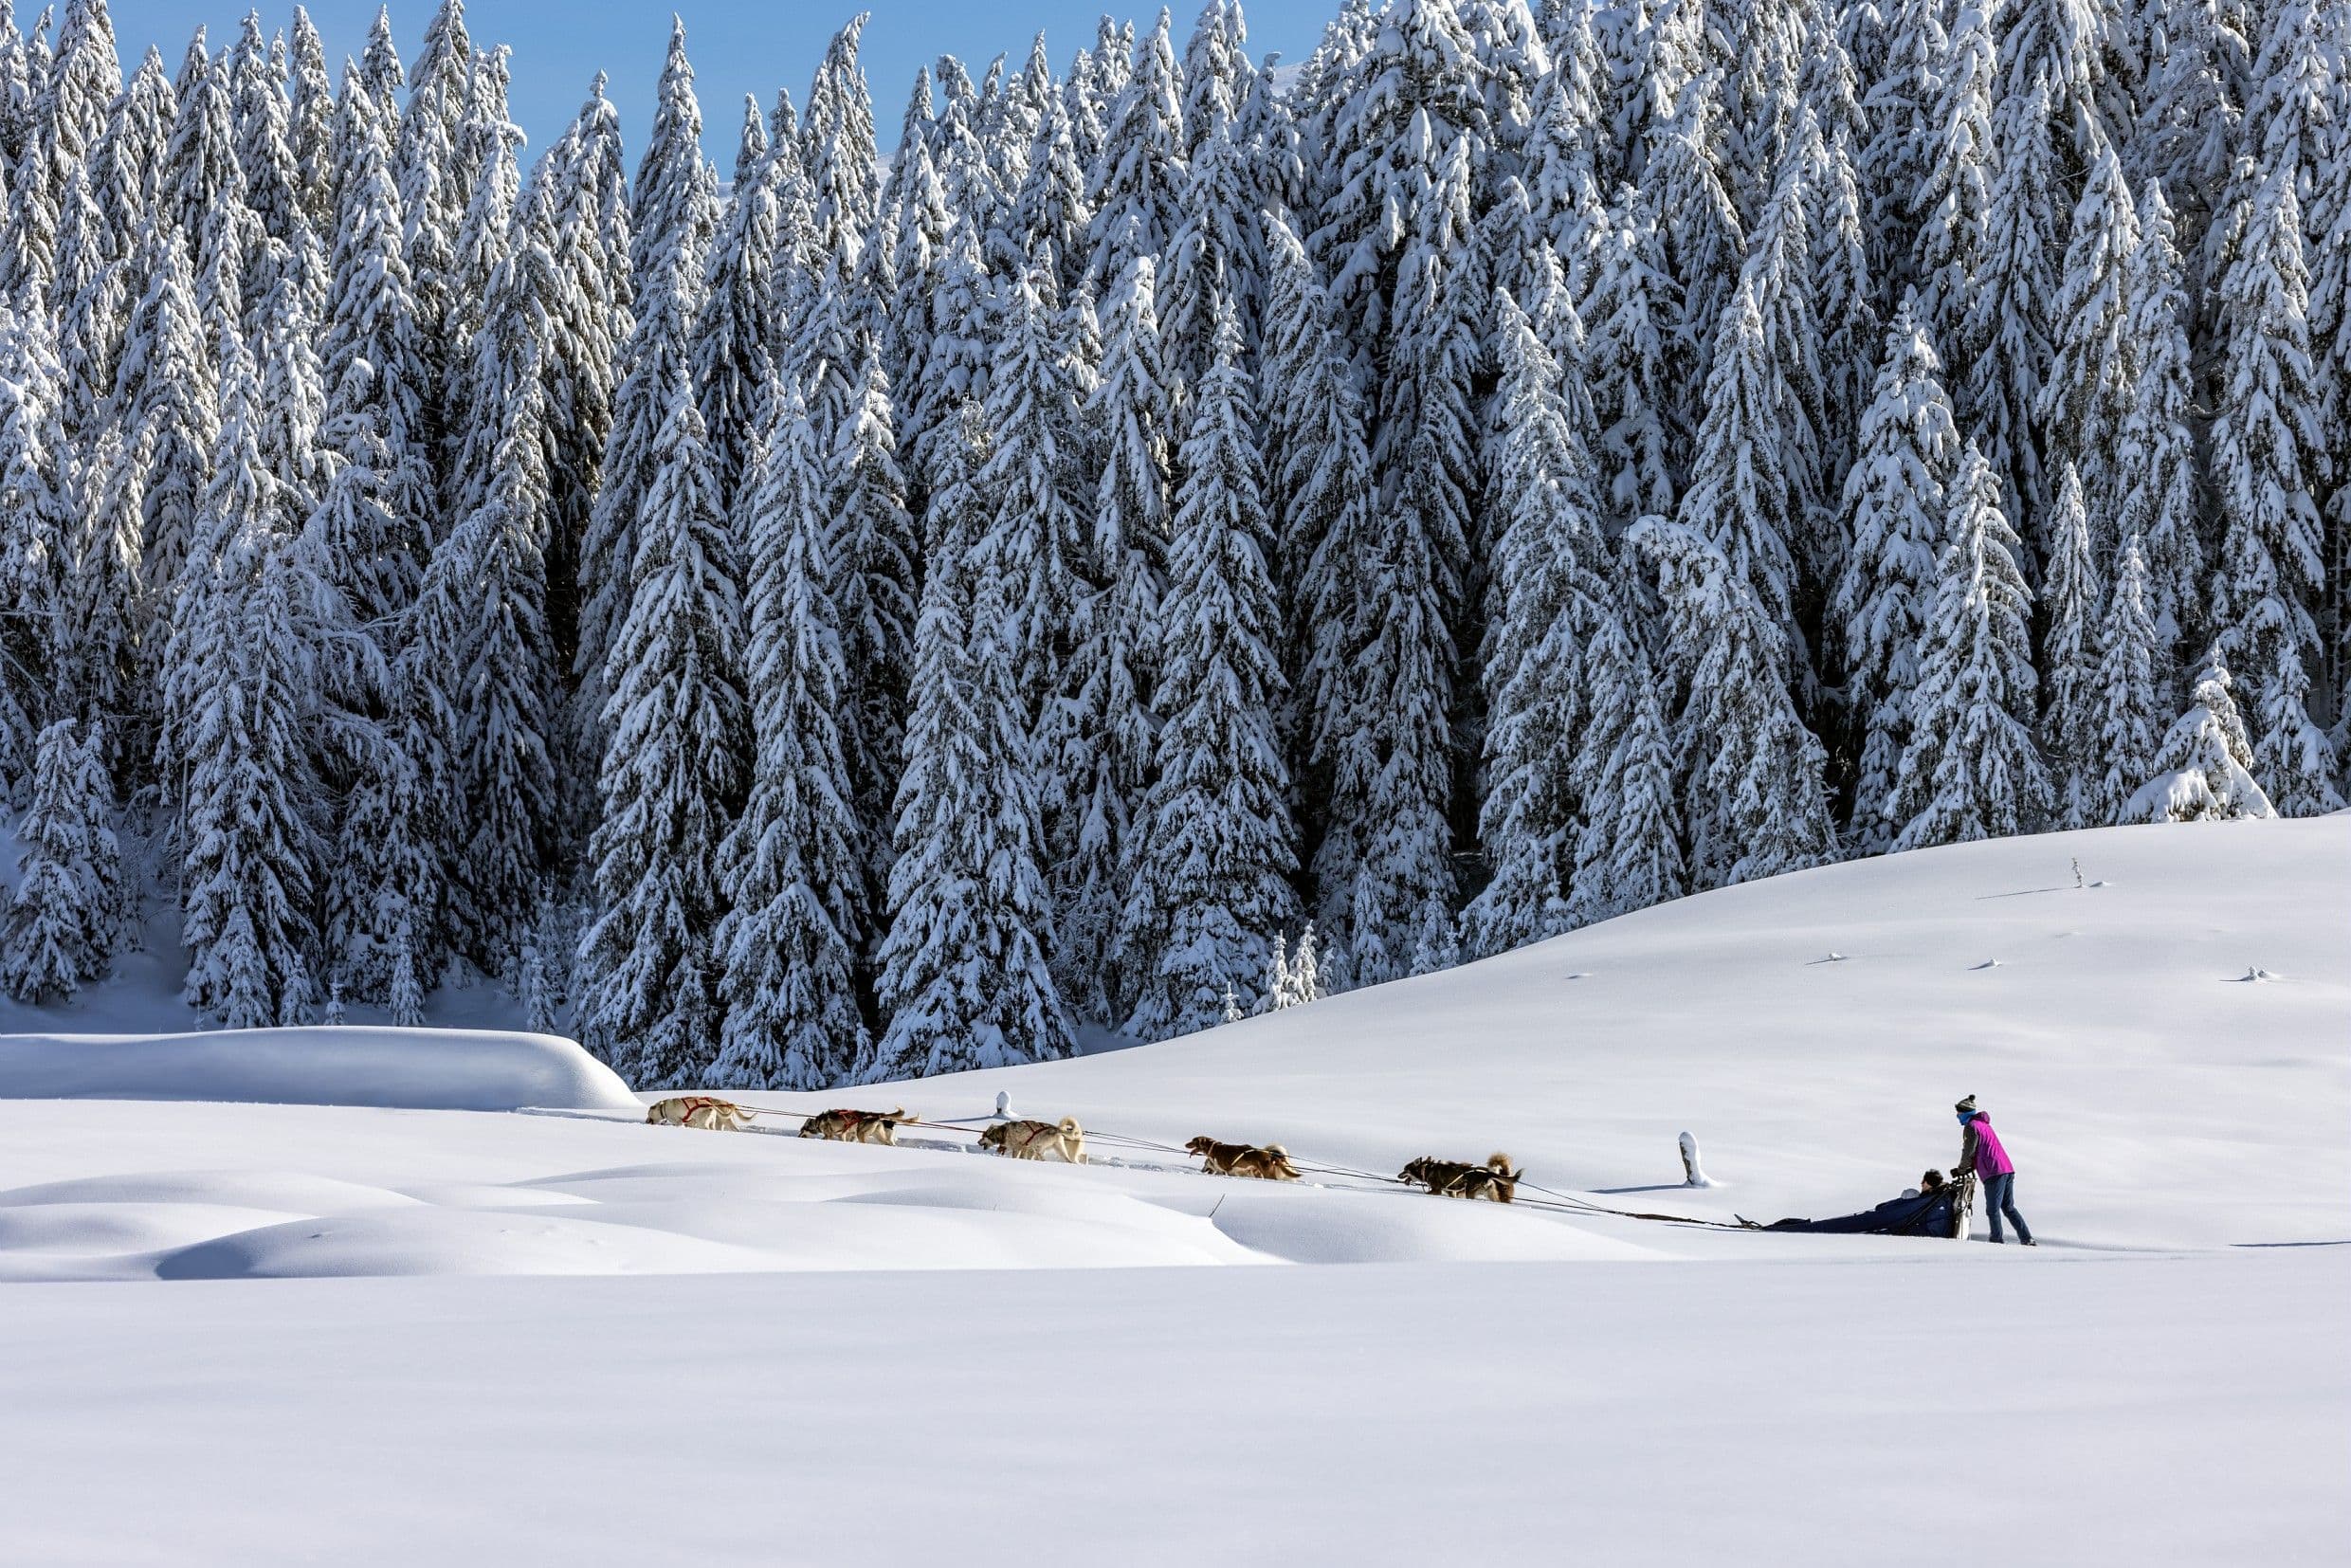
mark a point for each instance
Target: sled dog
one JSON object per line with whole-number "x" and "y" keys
{"x": 1494, "y": 1180}
{"x": 847, "y": 1126}
{"x": 699, "y": 1110}
{"x": 1037, "y": 1140}
{"x": 1269, "y": 1163}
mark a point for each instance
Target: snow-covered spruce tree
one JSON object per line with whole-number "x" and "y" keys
{"x": 672, "y": 215}
{"x": 1277, "y": 994}
{"x": 1894, "y": 512}
{"x": 739, "y": 337}
{"x": 431, "y": 176}
{"x": 126, "y": 164}
{"x": 956, "y": 352}
{"x": 92, "y": 305}
{"x": 2006, "y": 326}
{"x": 1954, "y": 200}
{"x": 2155, "y": 459}
{"x": 15, "y": 88}
{"x": 2288, "y": 96}
{"x": 165, "y": 397}
{"x": 93, "y": 653}
{"x": 1097, "y": 745}
{"x": 1547, "y": 597}
{"x": 1636, "y": 361}
{"x": 873, "y": 556}
{"x": 263, "y": 118}
{"x": 1139, "y": 185}
{"x": 2267, "y": 454}
{"x": 2328, "y": 218}
{"x": 39, "y": 495}
{"x": 201, "y": 184}
{"x": 377, "y": 379}
{"x": 2064, "y": 44}
{"x": 1846, "y": 302}
{"x": 576, "y": 207}
{"x": 2188, "y": 106}
{"x": 1738, "y": 495}
{"x": 60, "y": 924}
{"x": 310, "y": 121}
{"x": 284, "y": 338}
{"x": 1972, "y": 769}
{"x": 2069, "y": 668}
{"x": 1212, "y": 257}
{"x": 1317, "y": 466}
{"x": 1704, "y": 241}
{"x": 2129, "y": 689}
{"x": 1750, "y": 774}
{"x": 1214, "y": 846}
{"x": 1628, "y": 852}
{"x": 1425, "y": 442}
{"x": 487, "y": 237}
{"x": 85, "y": 75}
{"x": 793, "y": 867}
{"x": 1408, "y": 101}
{"x": 962, "y": 972}
{"x": 1034, "y": 482}
{"x": 672, "y": 775}
{"x": 239, "y": 685}
{"x": 2203, "y": 768}
{"x": 837, "y": 148}
{"x": 2087, "y": 399}
{"x": 504, "y": 697}
{"x": 1384, "y": 585}
{"x": 1779, "y": 263}
{"x": 1900, "y": 99}
{"x": 1050, "y": 207}
{"x": 1216, "y": 64}
{"x": 380, "y": 73}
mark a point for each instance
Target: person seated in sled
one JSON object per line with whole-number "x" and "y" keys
{"x": 1929, "y": 1184}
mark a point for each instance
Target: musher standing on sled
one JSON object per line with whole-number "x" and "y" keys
{"x": 1982, "y": 1153}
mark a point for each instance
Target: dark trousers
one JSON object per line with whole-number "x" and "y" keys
{"x": 2001, "y": 1198}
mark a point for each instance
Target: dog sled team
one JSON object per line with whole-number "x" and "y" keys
{"x": 1937, "y": 1206}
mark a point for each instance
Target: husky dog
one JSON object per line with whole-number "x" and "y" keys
{"x": 1269, "y": 1163}
{"x": 699, "y": 1110}
{"x": 1037, "y": 1140}
{"x": 1494, "y": 1180}
{"x": 845, "y": 1126}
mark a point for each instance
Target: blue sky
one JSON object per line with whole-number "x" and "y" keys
{"x": 737, "y": 45}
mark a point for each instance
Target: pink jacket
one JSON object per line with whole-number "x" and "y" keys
{"x": 1982, "y": 1149}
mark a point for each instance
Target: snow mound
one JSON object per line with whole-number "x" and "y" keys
{"x": 393, "y": 1068}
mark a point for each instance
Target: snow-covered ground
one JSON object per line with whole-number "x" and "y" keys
{"x": 260, "y": 1333}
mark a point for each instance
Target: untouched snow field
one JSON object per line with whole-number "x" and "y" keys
{"x": 258, "y": 1332}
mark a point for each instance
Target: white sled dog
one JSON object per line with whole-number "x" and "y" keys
{"x": 1037, "y": 1140}
{"x": 699, "y": 1110}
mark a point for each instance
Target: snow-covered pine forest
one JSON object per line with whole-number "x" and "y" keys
{"x": 1160, "y": 536}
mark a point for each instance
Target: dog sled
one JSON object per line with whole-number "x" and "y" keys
{"x": 1942, "y": 1213}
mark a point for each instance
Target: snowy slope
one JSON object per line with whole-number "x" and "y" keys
{"x": 2165, "y": 1380}
{"x": 1813, "y": 1032}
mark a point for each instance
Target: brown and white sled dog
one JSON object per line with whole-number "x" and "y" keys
{"x": 846, "y": 1126}
{"x": 1037, "y": 1140}
{"x": 1271, "y": 1162}
{"x": 1494, "y": 1180}
{"x": 699, "y": 1110}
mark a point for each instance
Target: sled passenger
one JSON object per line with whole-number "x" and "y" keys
{"x": 1980, "y": 1152}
